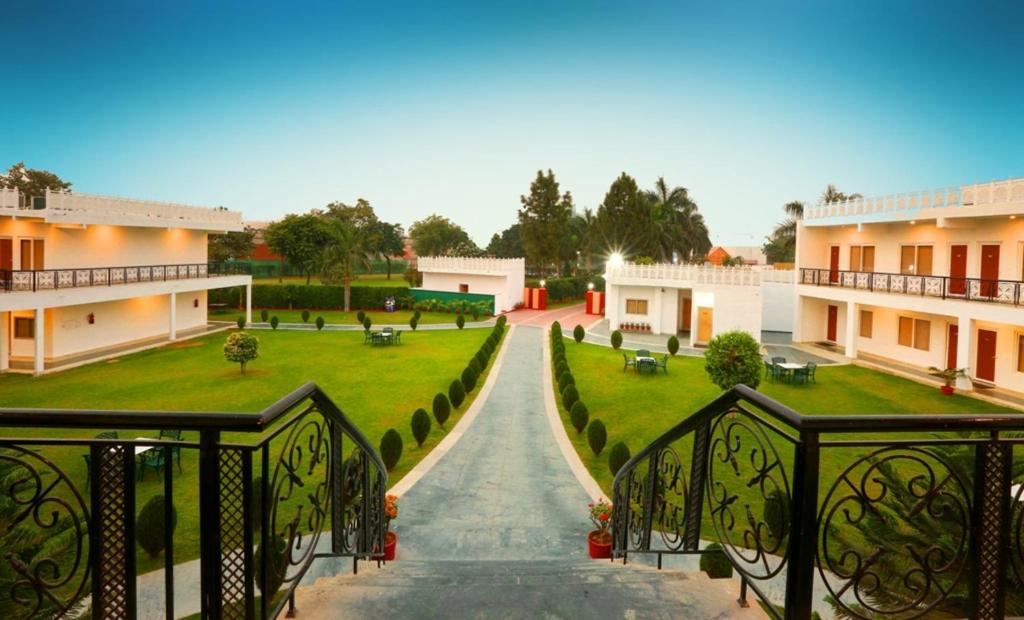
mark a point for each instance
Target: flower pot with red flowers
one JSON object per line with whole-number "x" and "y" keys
{"x": 390, "y": 538}
{"x": 599, "y": 540}
{"x": 949, "y": 377}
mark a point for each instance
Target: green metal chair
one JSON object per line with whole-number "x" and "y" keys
{"x": 643, "y": 353}
{"x": 175, "y": 450}
{"x": 397, "y": 338}
{"x": 627, "y": 362}
{"x": 88, "y": 456}
{"x": 811, "y": 368}
{"x": 663, "y": 364}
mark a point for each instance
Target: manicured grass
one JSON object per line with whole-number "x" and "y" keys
{"x": 377, "y": 387}
{"x": 338, "y": 317}
{"x": 367, "y": 279}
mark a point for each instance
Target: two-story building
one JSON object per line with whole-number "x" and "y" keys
{"x": 922, "y": 279}
{"x": 82, "y": 276}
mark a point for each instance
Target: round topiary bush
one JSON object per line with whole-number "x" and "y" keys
{"x": 616, "y": 339}
{"x": 442, "y": 409}
{"x": 776, "y": 514}
{"x": 673, "y": 345}
{"x": 617, "y": 457}
{"x": 149, "y": 526}
{"x": 240, "y": 321}
{"x": 413, "y": 322}
{"x": 475, "y": 365}
{"x": 564, "y": 380}
{"x": 274, "y": 322}
{"x": 277, "y": 563}
{"x": 715, "y": 564}
{"x": 305, "y": 316}
{"x": 733, "y": 358}
{"x": 556, "y": 327}
{"x": 417, "y": 315}
{"x": 456, "y": 393}
{"x": 469, "y": 379}
{"x": 241, "y": 348}
{"x": 597, "y": 435}
{"x": 561, "y": 366}
{"x": 391, "y": 448}
{"x": 460, "y": 321}
{"x": 570, "y": 396}
{"x": 264, "y": 315}
{"x": 320, "y": 323}
{"x": 481, "y": 358}
{"x": 367, "y": 323}
{"x": 578, "y": 333}
{"x": 360, "y": 316}
{"x": 579, "y": 416}
{"x": 420, "y": 425}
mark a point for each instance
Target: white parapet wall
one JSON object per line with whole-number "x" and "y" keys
{"x": 504, "y": 278}
{"x": 778, "y": 294}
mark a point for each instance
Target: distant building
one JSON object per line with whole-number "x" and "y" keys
{"x": 501, "y": 278}
{"x": 751, "y": 255}
{"x": 260, "y": 249}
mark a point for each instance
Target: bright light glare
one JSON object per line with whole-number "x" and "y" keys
{"x": 542, "y": 283}
{"x": 616, "y": 260}
{"x": 590, "y": 286}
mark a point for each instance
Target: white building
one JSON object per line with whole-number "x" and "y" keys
{"x": 504, "y": 278}
{"x": 923, "y": 279}
{"x": 695, "y": 300}
{"x": 83, "y": 275}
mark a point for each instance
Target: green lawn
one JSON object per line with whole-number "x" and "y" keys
{"x": 366, "y": 279}
{"x": 377, "y": 387}
{"x": 336, "y": 317}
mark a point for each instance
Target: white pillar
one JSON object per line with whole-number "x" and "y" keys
{"x": 852, "y": 331}
{"x": 656, "y": 314}
{"x": 5, "y": 354}
{"x": 964, "y": 336}
{"x": 798, "y": 317}
{"x": 248, "y": 304}
{"x": 694, "y": 318}
{"x": 40, "y": 341}
{"x": 172, "y": 327}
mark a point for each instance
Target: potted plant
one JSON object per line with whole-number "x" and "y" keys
{"x": 948, "y": 376}
{"x": 599, "y": 540}
{"x": 390, "y": 538}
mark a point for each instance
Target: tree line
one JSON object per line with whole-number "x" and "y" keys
{"x": 780, "y": 246}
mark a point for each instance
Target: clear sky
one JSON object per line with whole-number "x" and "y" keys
{"x": 451, "y": 108}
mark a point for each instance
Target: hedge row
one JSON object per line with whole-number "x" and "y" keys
{"x": 560, "y": 289}
{"x": 320, "y": 297}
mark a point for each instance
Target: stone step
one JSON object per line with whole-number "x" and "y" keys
{"x": 520, "y": 589}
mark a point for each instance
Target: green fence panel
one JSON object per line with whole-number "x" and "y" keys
{"x": 420, "y": 294}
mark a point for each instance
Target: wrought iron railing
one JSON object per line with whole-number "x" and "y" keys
{"x": 53, "y": 279}
{"x": 942, "y": 287}
{"x": 900, "y": 516}
{"x": 69, "y": 540}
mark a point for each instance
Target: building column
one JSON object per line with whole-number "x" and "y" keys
{"x": 852, "y": 329}
{"x": 40, "y": 341}
{"x": 797, "y": 334}
{"x": 964, "y": 337}
{"x": 248, "y": 304}
{"x": 172, "y": 327}
{"x": 5, "y": 353}
{"x": 656, "y": 312}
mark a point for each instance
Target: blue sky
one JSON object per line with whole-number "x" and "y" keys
{"x": 452, "y": 107}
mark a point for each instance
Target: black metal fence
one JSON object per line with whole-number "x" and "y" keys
{"x": 941, "y": 287}
{"x": 53, "y": 279}
{"x": 70, "y": 539}
{"x": 902, "y": 516}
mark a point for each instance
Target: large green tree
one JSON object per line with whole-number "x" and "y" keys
{"x": 378, "y": 239}
{"x": 438, "y": 236}
{"x": 507, "y": 244}
{"x": 543, "y": 220}
{"x": 31, "y": 182}
{"x": 232, "y": 245}
{"x": 388, "y": 241}
{"x": 300, "y": 239}
{"x": 343, "y": 255}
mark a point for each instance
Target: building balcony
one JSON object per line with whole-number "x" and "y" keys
{"x": 16, "y": 281}
{"x": 469, "y": 265}
{"x": 1007, "y": 292}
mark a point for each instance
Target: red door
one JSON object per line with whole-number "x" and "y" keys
{"x": 833, "y": 264}
{"x": 951, "y": 344}
{"x": 957, "y": 269}
{"x": 986, "y": 355}
{"x": 833, "y": 319}
{"x": 989, "y": 270}
{"x": 6, "y": 260}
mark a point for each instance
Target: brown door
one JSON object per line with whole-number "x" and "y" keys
{"x": 986, "y": 355}
{"x": 6, "y": 255}
{"x": 687, "y": 310}
{"x": 951, "y": 343}
{"x": 833, "y": 319}
{"x": 704, "y": 319}
{"x": 989, "y": 270}
{"x": 833, "y": 264}
{"x": 957, "y": 269}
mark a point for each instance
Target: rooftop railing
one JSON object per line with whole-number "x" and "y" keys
{"x": 1010, "y": 292}
{"x": 465, "y": 264}
{"x": 1011, "y": 190}
{"x": 696, "y": 274}
{"x": 52, "y": 279}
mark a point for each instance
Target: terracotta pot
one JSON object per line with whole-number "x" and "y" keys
{"x": 600, "y": 545}
{"x": 947, "y": 390}
{"x": 390, "y": 542}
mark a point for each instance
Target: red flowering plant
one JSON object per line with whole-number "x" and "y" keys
{"x": 390, "y": 509}
{"x": 601, "y": 517}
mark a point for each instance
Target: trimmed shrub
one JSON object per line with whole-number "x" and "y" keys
{"x": 326, "y": 297}
{"x": 556, "y": 327}
{"x": 564, "y": 380}
{"x": 417, "y": 315}
{"x": 240, "y": 321}
{"x": 561, "y": 366}
{"x": 469, "y": 379}
{"x": 360, "y": 316}
{"x": 413, "y": 322}
{"x": 320, "y": 323}
{"x": 391, "y": 448}
{"x": 673, "y": 345}
{"x": 442, "y": 409}
{"x": 241, "y": 348}
{"x": 456, "y": 393}
{"x": 481, "y": 358}
{"x": 597, "y": 435}
{"x": 460, "y": 320}
{"x": 367, "y": 323}
{"x": 733, "y": 358}
{"x": 617, "y": 457}
{"x": 578, "y": 333}
{"x": 264, "y": 315}
{"x": 305, "y": 316}
{"x": 579, "y": 416}
{"x": 420, "y": 425}
{"x": 570, "y": 396}
{"x": 776, "y": 514}
{"x": 277, "y": 563}
{"x": 150, "y": 527}
{"x": 257, "y": 495}
{"x": 274, "y": 322}
{"x": 616, "y": 339}
{"x": 715, "y": 564}
{"x": 475, "y": 365}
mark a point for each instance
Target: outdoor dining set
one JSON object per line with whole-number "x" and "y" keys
{"x": 778, "y": 369}
{"x": 146, "y": 456}
{"x": 643, "y": 362}
{"x": 385, "y": 336}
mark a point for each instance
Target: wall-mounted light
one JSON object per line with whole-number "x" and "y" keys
{"x": 195, "y": 303}
{"x": 590, "y": 286}
{"x": 543, "y": 283}
{"x": 1013, "y": 217}
{"x": 91, "y": 318}
{"x": 912, "y": 222}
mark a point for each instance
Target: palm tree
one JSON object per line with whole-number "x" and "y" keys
{"x": 831, "y": 194}
{"x": 345, "y": 253}
{"x": 675, "y": 225}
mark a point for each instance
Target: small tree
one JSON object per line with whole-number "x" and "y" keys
{"x": 420, "y": 425}
{"x": 456, "y": 393}
{"x": 578, "y": 333}
{"x": 367, "y": 323}
{"x": 150, "y": 532}
{"x": 616, "y": 339}
{"x": 565, "y": 380}
{"x": 460, "y": 320}
{"x": 274, "y": 322}
{"x": 320, "y": 323}
{"x": 475, "y": 365}
{"x": 442, "y": 409}
{"x": 570, "y": 396}
{"x": 241, "y": 322}
{"x": 417, "y": 315}
{"x": 264, "y": 315}
{"x": 469, "y": 379}
{"x": 733, "y": 358}
{"x": 673, "y": 345}
{"x": 597, "y": 436}
{"x": 617, "y": 457}
{"x": 391, "y": 448}
{"x": 305, "y": 316}
{"x": 413, "y": 322}
{"x": 241, "y": 348}
{"x": 360, "y": 316}
{"x": 579, "y": 415}
{"x": 277, "y": 563}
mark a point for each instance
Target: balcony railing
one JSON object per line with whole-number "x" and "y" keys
{"x": 1010, "y": 292}
{"x": 69, "y": 540}
{"x": 1011, "y": 190}
{"x": 898, "y": 516}
{"x": 53, "y": 279}
{"x": 466, "y": 264}
{"x": 697, "y": 274}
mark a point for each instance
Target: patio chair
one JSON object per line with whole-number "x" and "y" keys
{"x": 811, "y": 367}
{"x": 88, "y": 456}
{"x": 800, "y": 375}
{"x": 769, "y": 370}
{"x": 627, "y": 362}
{"x": 387, "y": 330}
{"x": 175, "y": 450}
{"x": 778, "y": 360}
{"x": 663, "y": 364}
{"x": 643, "y": 353}
{"x": 397, "y": 338}
{"x": 367, "y": 336}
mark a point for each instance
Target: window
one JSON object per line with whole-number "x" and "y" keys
{"x": 24, "y": 327}
{"x": 636, "y": 306}
{"x": 1020, "y": 352}
{"x": 862, "y": 258}
{"x": 866, "y": 320}
{"x": 463, "y": 288}
{"x": 915, "y": 333}
{"x": 916, "y": 260}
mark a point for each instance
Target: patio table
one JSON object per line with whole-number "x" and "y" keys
{"x": 142, "y": 449}
{"x": 790, "y": 365}
{"x": 643, "y": 362}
